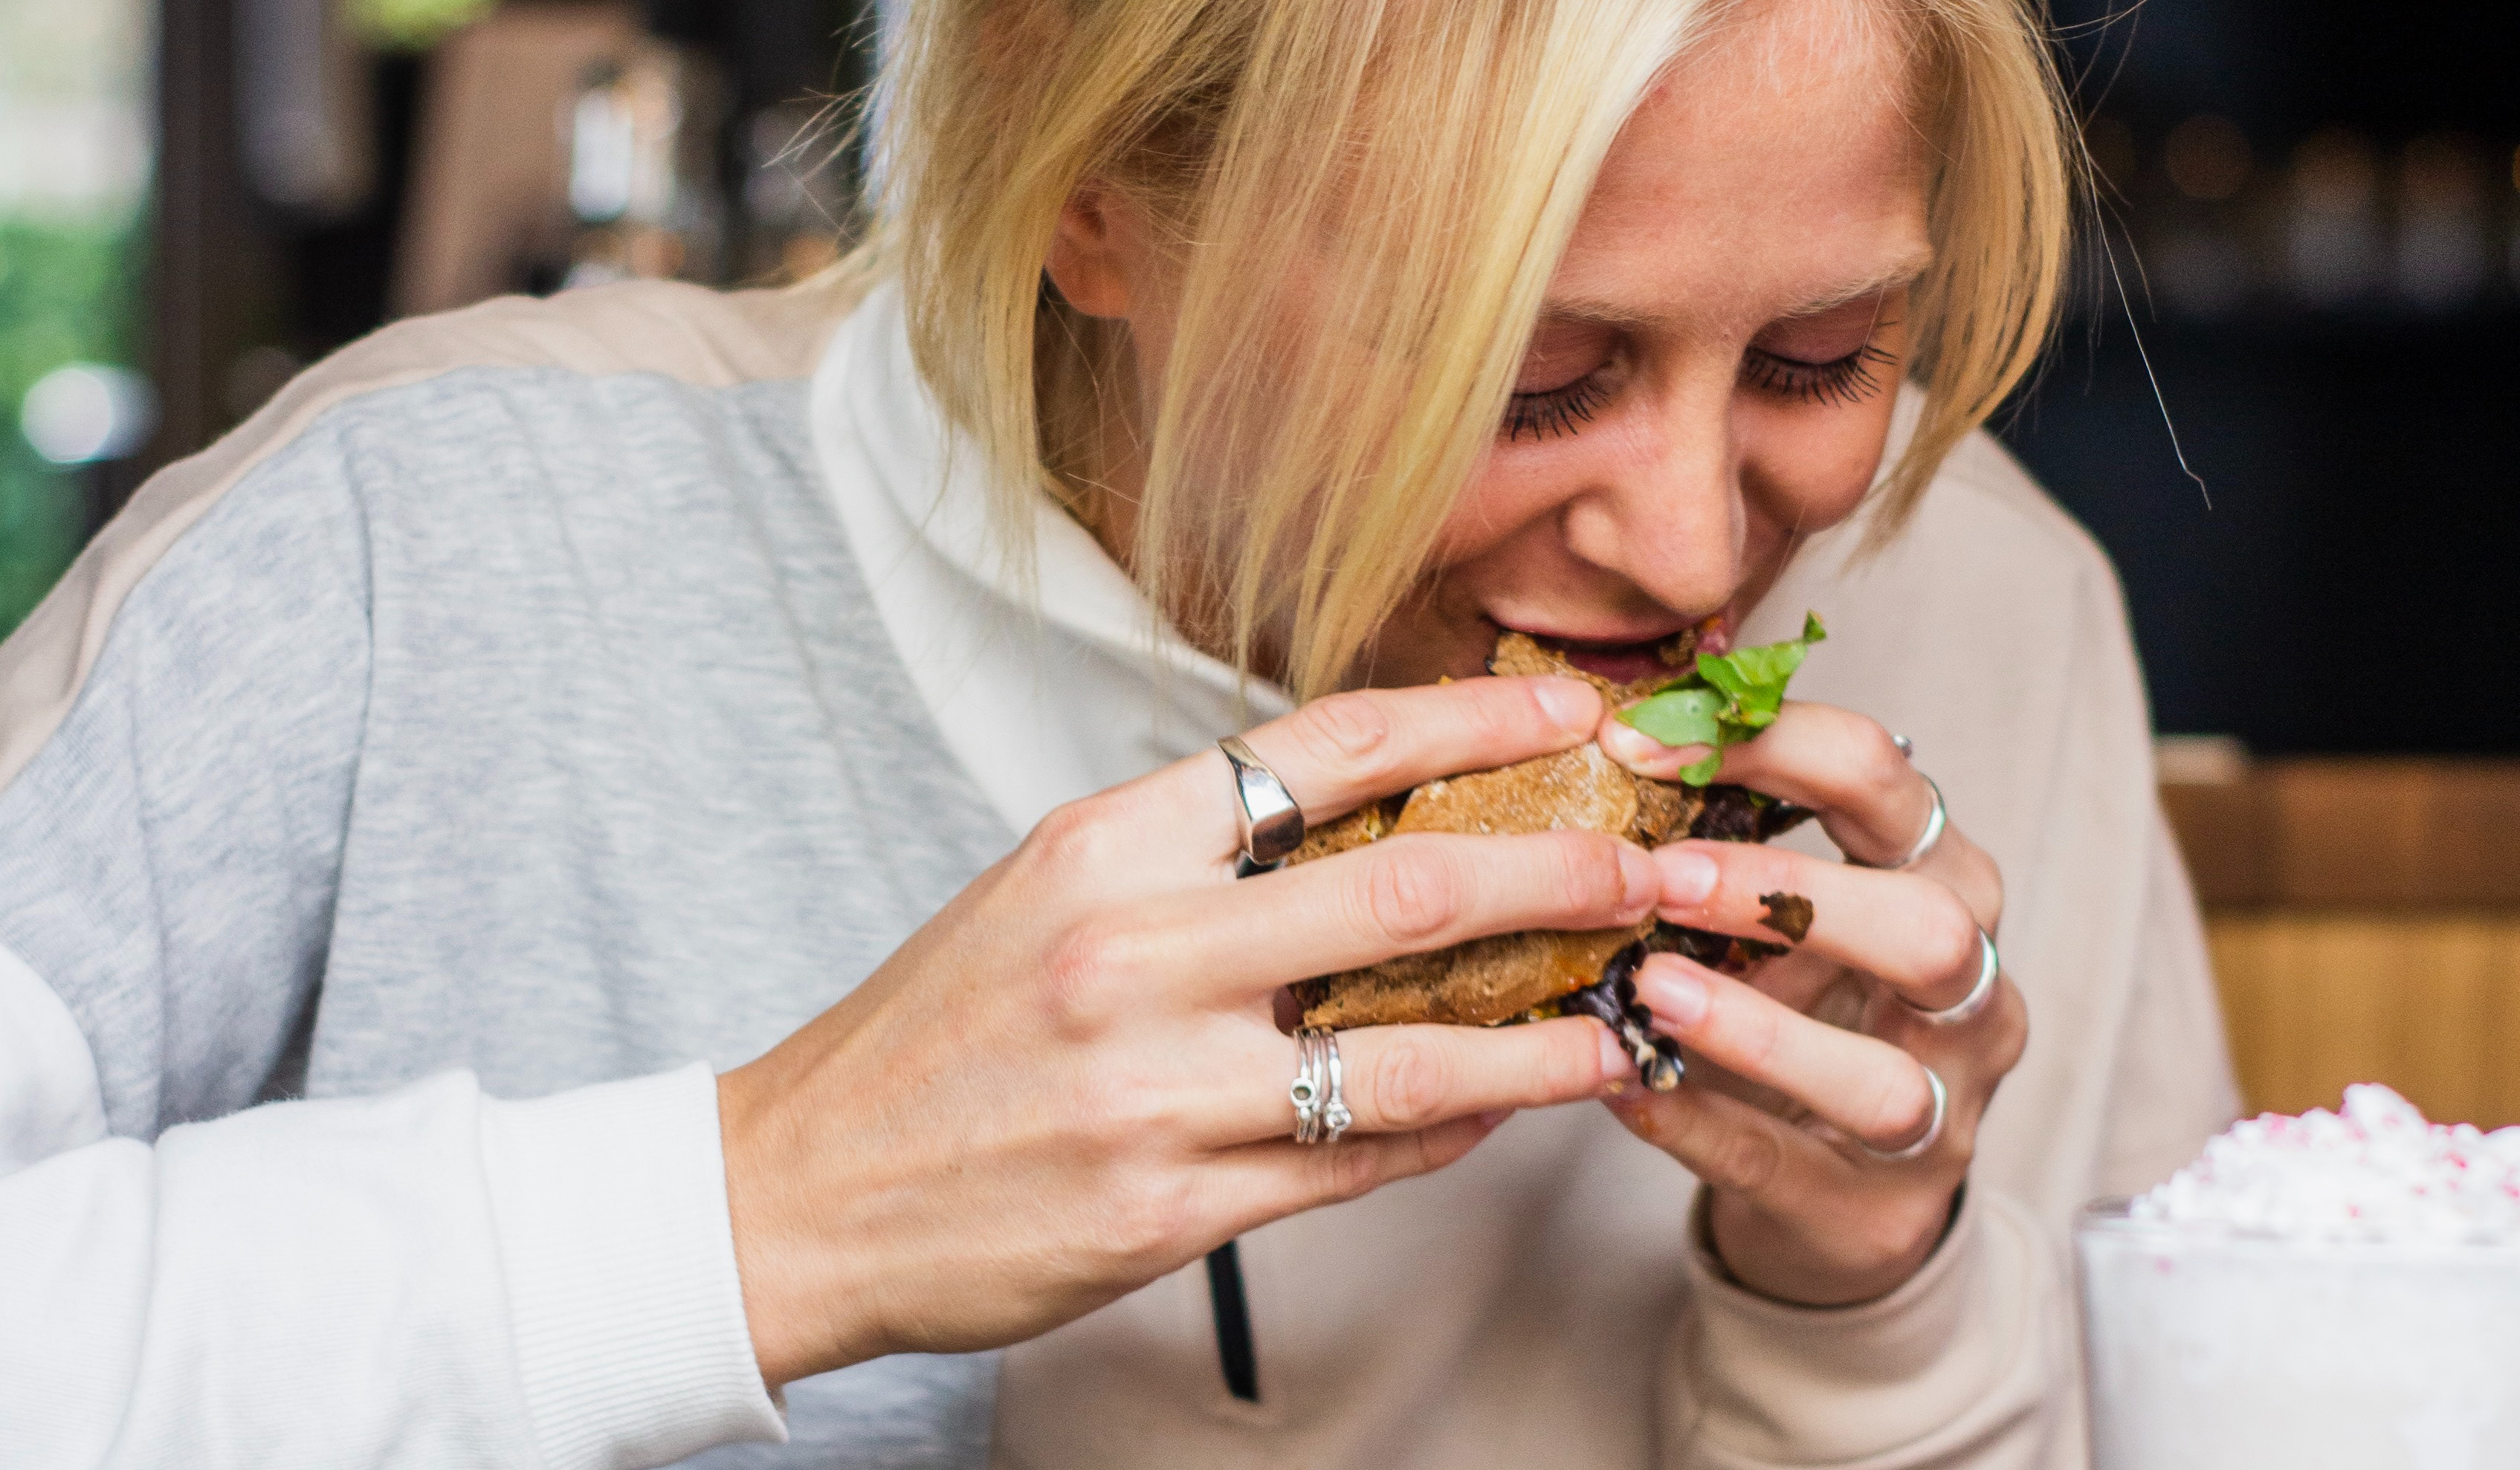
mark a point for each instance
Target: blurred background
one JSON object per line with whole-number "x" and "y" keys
{"x": 2284, "y": 400}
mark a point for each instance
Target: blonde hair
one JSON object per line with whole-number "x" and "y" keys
{"x": 1296, "y": 479}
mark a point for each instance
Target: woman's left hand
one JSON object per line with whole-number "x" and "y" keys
{"x": 1779, "y": 1107}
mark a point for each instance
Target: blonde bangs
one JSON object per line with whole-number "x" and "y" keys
{"x": 1366, "y": 200}
{"x": 1419, "y": 167}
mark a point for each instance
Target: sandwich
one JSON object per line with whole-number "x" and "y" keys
{"x": 1714, "y": 699}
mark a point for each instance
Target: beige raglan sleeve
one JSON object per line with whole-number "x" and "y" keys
{"x": 1961, "y": 1366}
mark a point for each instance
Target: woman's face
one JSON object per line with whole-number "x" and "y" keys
{"x": 1714, "y": 368}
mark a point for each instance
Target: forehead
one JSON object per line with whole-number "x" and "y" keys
{"x": 1773, "y": 168}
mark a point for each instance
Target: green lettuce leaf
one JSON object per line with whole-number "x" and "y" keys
{"x": 1678, "y": 716}
{"x": 1727, "y": 698}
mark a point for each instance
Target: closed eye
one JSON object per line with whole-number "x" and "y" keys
{"x": 1852, "y": 379}
{"x": 1552, "y": 412}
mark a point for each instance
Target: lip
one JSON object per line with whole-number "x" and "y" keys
{"x": 1628, "y": 659}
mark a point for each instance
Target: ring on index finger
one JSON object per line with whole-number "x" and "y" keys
{"x": 1265, "y": 815}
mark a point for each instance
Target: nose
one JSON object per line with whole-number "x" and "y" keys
{"x": 1668, "y": 514}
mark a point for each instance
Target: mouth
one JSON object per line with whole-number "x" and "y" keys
{"x": 1638, "y": 659}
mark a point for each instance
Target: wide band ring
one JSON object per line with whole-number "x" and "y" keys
{"x": 1265, "y": 815}
{"x": 1990, "y": 965}
{"x": 1320, "y": 1102}
{"x": 1926, "y": 840}
{"x": 1933, "y": 1134}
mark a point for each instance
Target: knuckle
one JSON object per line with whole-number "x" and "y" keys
{"x": 1899, "y": 1110}
{"x": 1072, "y": 839}
{"x": 1950, "y": 940}
{"x": 1345, "y": 730}
{"x": 1745, "y": 1159}
{"x": 1152, "y": 1211}
{"x": 1592, "y": 876}
{"x": 1410, "y": 1082}
{"x": 1086, "y": 965}
{"x": 1884, "y": 770}
{"x": 1412, "y": 893}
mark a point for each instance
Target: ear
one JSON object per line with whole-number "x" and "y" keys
{"x": 1097, "y": 252}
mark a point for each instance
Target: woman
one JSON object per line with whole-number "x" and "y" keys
{"x": 552, "y": 701}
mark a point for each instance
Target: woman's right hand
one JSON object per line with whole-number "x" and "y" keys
{"x": 1068, "y": 1083}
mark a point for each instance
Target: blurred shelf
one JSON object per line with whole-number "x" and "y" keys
{"x": 2429, "y": 1005}
{"x": 2365, "y": 921}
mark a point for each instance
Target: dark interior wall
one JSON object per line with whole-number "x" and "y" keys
{"x": 2349, "y": 588}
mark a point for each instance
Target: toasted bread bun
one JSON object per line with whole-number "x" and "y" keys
{"x": 1496, "y": 979}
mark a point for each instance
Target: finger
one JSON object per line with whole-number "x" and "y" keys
{"x": 1732, "y": 1145}
{"x": 1860, "y": 1084}
{"x": 1910, "y": 932}
{"x": 1816, "y": 755}
{"x": 1872, "y": 801}
{"x": 1404, "y": 1079}
{"x": 1336, "y": 754}
{"x": 1402, "y": 895}
{"x": 1259, "y": 1182}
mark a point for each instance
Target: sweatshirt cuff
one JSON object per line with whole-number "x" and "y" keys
{"x": 609, "y": 1204}
{"x": 1955, "y": 1353}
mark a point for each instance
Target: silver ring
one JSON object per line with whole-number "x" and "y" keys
{"x": 1318, "y": 1091}
{"x": 1265, "y": 815}
{"x": 1989, "y": 965}
{"x": 1935, "y": 821}
{"x": 1932, "y": 1135}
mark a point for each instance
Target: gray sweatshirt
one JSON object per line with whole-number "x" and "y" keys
{"x": 504, "y": 698}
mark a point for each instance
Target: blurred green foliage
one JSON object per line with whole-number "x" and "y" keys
{"x": 414, "y": 25}
{"x": 64, "y": 297}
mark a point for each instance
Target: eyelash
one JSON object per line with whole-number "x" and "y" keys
{"x": 1847, "y": 380}
{"x": 1557, "y": 410}
{"x": 1565, "y": 411}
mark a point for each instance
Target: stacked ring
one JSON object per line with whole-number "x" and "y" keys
{"x": 1320, "y": 1108}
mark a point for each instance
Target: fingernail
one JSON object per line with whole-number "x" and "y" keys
{"x": 1570, "y": 702}
{"x": 1615, "y": 1058}
{"x": 1640, "y": 880}
{"x": 1688, "y": 876}
{"x": 1626, "y": 743}
{"x": 1678, "y": 998}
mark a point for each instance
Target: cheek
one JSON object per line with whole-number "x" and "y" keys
{"x": 1808, "y": 471}
{"x": 1506, "y": 496}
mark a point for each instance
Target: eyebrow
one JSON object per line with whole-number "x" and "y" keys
{"x": 1595, "y": 313}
